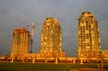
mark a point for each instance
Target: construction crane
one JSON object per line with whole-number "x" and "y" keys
{"x": 31, "y": 26}
{"x": 32, "y": 35}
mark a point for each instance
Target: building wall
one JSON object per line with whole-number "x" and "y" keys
{"x": 88, "y": 36}
{"x": 21, "y": 43}
{"x": 105, "y": 54}
{"x": 51, "y": 39}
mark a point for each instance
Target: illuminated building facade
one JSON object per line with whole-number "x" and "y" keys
{"x": 21, "y": 43}
{"x": 88, "y": 37}
{"x": 51, "y": 39}
{"x": 51, "y": 43}
{"x": 105, "y": 55}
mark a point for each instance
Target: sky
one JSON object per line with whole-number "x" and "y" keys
{"x": 19, "y": 13}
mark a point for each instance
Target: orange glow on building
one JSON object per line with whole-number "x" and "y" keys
{"x": 105, "y": 55}
{"x": 88, "y": 37}
{"x": 51, "y": 43}
{"x": 21, "y": 43}
{"x": 51, "y": 39}
{"x": 89, "y": 47}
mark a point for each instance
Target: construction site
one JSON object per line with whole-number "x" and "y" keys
{"x": 51, "y": 44}
{"x": 51, "y": 51}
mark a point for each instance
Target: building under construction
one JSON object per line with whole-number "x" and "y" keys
{"x": 21, "y": 43}
{"x": 89, "y": 47}
{"x": 88, "y": 37}
{"x": 51, "y": 43}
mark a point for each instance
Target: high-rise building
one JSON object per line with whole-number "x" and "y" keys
{"x": 88, "y": 37}
{"x": 51, "y": 39}
{"x": 21, "y": 43}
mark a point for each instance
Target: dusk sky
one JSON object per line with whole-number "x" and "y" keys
{"x": 19, "y": 13}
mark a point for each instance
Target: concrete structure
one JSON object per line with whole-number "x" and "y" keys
{"x": 105, "y": 56}
{"x": 21, "y": 43}
{"x": 51, "y": 43}
{"x": 88, "y": 38}
{"x": 51, "y": 39}
{"x": 89, "y": 49}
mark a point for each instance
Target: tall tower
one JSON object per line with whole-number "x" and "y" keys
{"x": 21, "y": 43}
{"x": 51, "y": 39}
{"x": 88, "y": 36}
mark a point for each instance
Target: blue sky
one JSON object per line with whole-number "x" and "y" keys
{"x": 18, "y": 13}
